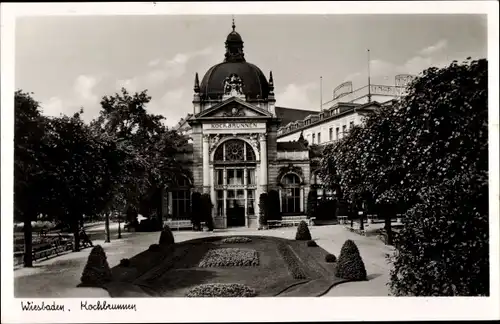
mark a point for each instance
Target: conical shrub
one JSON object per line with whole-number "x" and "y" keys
{"x": 350, "y": 265}
{"x": 96, "y": 271}
{"x": 303, "y": 233}
{"x": 166, "y": 236}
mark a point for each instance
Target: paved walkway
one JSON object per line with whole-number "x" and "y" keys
{"x": 59, "y": 276}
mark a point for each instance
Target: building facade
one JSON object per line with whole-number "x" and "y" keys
{"x": 242, "y": 144}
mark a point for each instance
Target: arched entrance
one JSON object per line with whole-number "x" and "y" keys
{"x": 235, "y": 181}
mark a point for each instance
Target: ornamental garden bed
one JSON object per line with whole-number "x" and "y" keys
{"x": 208, "y": 267}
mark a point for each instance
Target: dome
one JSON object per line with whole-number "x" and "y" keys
{"x": 249, "y": 79}
{"x": 254, "y": 82}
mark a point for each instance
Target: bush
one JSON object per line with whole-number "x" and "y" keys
{"x": 230, "y": 257}
{"x": 303, "y": 233}
{"x": 221, "y": 290}
{"x": 96, "y": 271}
{"x": 236, "y": 239}
{"x": 196, "y": 213}
{"x": 154, "y": 248}
{"x": 312, "y": 243}
{"x": 350, "y": 265}
{"x": 166, "y": 236}
{"x": 312, "y": 203}
{"x": 124, "y": 263}
{"x": 291, "y": 261}
{"x": 273, "y": 205}
{"x": 206, "y": 211}
{"x": 330, "y": 258}
{"x": 263, "y": 209}
{"x": 452, "y": 254}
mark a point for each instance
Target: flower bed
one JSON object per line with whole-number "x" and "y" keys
{"x": 230, "y": 257}
{"x": 236, "y": 239}
{"x": 221, "y": 290}
{"x": 291, "y": 261}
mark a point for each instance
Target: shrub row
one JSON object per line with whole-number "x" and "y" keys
{"x": 221, "y": 290}
{"x": 236, "y": 239}
{"x": 291, "y": 261}
{"x": 230, "y": 257}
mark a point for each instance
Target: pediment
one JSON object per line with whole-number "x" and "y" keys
{"x": 234, "y": 107}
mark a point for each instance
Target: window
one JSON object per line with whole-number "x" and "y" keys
{"x": 220, "y": 177}
{"x": 330, "y": 134}
{"x": 180, "y": 203}
{"x": 319, "y": 138}
{"x": 314, "y": 137}
{"x": 234, "y": 151}
{"x": 251, "y": 176}
{"x": 337, "y": 133}
{"x": 351, "y": 125}
{"x": 250, "y": 202}
{"x": 220, "y": 202}
{"x": 234, "y": 177}
{"x": 291, "y": 194}
{"x": 344, "y": 129}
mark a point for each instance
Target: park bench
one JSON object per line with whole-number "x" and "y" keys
{"x": 179, "y": 223}
{"x": 274, "y": 223}
{"x": 342, "y": 219}
{"x": 295, "y": 220}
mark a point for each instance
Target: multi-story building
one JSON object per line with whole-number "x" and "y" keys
{"x": 243, "y": 145}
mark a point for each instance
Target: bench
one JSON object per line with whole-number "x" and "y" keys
{"x": 342, "y": 219}
{"x": 179, "y": 223}
{"x": 295, "y": 220}
{"x": 273, "y": 223}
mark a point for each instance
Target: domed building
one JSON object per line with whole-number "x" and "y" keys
{"x": 243, "y": 145}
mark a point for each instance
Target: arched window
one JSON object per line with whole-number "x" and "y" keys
{"x": 234, "y": 151}
{"x": 291, "y": 194}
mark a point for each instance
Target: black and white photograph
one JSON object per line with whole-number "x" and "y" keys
{"x": 175, "y": 157}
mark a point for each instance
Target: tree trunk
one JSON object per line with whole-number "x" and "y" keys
{"x": 76, "y": 233}
{"x": 388, "y": 225}
{"x": 362, "y": 220}
{"x": 119, "y": 228}
{"x": 28, "y": 242}
{"x": 106, "y": 228}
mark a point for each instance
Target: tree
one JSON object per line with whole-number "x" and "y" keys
{"x": 148, "y": 147}
{"x": 29, "y": 157}
{"x": 206, "y": 209}
{"x": 196, "y": 213}
{"x": 312, "y": 203}
{"x": 274, "y": 208}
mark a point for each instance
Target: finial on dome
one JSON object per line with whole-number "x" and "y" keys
{"x": 196, "y": 83}
{"x": 271, "y": 83}
{"x": 233, "y": 25}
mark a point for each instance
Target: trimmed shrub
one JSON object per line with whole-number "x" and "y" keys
{"x": 350, "y": 265}
{"x": 154, "y": 248}
{"x": 312, "y": 243}
{"x": 221, "y": 290}
{"x": 236, "y": 239}
{"x": 291, "y": 261}
{"x": 263, "y": 206}
{"x": 96, "y": 271}
{"x": 196, "y": 213}
{"x": 166, "y": 236}
{"x": 230, "y": 257}
{"x": 330, "y": 258}
{"x": 206, "y": 211}
{"x": 312, "y": 203}
{"x": 124, "y": 263}
{"x": 273, "y": 205}
{"x": 303, "y": 233}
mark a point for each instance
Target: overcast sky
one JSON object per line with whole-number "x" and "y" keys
{"x": 69, "y": 62}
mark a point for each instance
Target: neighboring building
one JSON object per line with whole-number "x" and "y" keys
{"x": 242, "y": 145}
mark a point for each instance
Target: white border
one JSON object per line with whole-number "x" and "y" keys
{"x": 254, "y": 309}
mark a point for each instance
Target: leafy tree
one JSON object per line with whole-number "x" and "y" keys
{"x": 312, "y": 203}
{"x": 196, "y": 213}
{"x": 206, "y": 211}
{"x": 273, "y": 206}
{"x": 29, "y": 157}
{"x": 263, "y": 209}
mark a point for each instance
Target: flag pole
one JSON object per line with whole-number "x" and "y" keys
{"x": 321, "y": 93}
{"x": 369, "y": 79}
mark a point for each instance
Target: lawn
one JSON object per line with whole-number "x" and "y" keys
{"x": 268, "y": 265}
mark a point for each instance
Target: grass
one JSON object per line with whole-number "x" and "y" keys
{"x": 173, "y": 271}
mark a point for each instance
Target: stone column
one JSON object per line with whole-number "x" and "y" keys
{"x": 206, "y": 166}
{"x": 281, "y": 200}
{"x": 263, "y": 162}
{"x": 301, "y": 199}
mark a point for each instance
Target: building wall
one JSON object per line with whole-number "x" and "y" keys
{"x": 324, "y": 129}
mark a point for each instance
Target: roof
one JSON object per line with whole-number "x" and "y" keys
{"x": 291, "y": 146}
{"x": 288, "y": 115}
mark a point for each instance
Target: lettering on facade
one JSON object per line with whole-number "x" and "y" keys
{"x": 233, "y": 125}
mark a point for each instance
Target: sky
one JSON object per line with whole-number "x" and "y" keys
{"x": 72, "y": 62}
